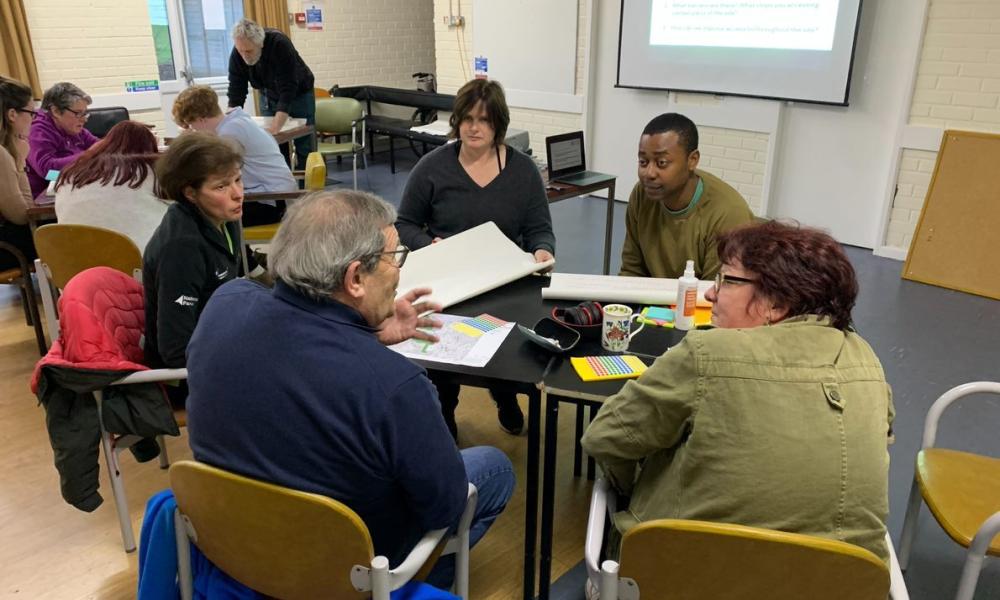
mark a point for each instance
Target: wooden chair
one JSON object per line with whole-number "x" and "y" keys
{"x": 961, "y": 489}
{"x": 290, "y": 544}
{"x": 65, "y": 250}
{"x": 21, "y": 277}
{"x": 677, "y": 559}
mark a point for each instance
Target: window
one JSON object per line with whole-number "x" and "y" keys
{"x": 206, "y": 43}
{"x": 161, "y": 39}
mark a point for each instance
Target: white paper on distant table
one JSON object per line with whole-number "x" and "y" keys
{"x": 455, "y": 347}
{"x": 466, "y": 265}
{"x": 614, "y": 288}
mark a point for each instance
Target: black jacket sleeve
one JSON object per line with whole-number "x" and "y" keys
{"x": 180, "y": 299}
{"x": 238, "y": 80}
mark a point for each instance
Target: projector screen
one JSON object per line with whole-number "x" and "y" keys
{"x": 798, "y": 50}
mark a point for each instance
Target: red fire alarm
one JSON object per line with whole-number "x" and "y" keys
{"x": 300, "y": 18}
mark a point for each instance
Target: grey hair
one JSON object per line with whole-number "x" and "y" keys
{"x": 63, "y": 95}
{"x": 323, "y": 233}
{"x": 250, "y": 31}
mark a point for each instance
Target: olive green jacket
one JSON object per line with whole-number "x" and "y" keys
{"x": 783, "y": 427}
{"x": 659, "y": 244}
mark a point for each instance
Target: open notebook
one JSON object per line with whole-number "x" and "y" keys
{"x": 466, "y": 265}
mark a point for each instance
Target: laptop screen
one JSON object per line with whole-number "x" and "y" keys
{"x": 565, "y": 153}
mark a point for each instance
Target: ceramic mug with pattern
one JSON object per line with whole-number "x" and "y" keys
{"x": 616, "y": 327}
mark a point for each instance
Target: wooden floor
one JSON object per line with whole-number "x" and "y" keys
{"x": 48, "y": 549}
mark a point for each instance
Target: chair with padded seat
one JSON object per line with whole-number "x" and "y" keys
{"x": 962, "y": 491}
{"x": 291, "y": 544}
{"x": 21, "y": 277}
{"x": 679, "y": 559}
{"x": 342, "y": 117}
{"x": 102, "y": 119}
{"x": 66, "y": 250}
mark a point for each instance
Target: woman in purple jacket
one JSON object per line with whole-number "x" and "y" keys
{"x": 57, "y": 134}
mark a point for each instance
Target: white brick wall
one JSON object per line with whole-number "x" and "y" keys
{"x": 375, "y": 42}
{"x": 98, "y": 45}
{"x": 109, "y": 42}
{"x": 453, "y": 51}
{"x": 915, "y": 170}
{"x": 958, "y": 87}
{"x": 738, "y": 158}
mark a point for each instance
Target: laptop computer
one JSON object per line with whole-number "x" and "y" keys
{"x": 567, "y": 163}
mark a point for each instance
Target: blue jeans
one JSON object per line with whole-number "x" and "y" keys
{"x": 302, "y": 107}
{"x": 489, "y": 469}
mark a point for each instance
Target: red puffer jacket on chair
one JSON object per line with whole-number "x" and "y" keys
{"x": 101, "y": 321}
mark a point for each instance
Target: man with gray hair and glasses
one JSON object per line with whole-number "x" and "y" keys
{"x": 267, "y": 60}
{"x": 294, "y": 385}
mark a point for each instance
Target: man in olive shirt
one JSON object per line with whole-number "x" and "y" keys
{"x": 675, "y": 211}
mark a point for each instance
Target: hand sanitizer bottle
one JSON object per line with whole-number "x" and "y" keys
{"x": 687, "y": 298}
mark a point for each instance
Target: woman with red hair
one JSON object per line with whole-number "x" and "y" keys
{"x": 777, "y": 418}
{"x": 112, "y": 185}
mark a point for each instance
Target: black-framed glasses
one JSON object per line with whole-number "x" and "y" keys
{"x": 397, "y": 257}
{"x": 80, "y": 114}
{"x": 30, "y": 111}
{"x": 721, "y": 278}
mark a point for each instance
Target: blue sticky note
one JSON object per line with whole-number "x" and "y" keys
{"x": 52, "y": 175}
{"x": 659, "y": 313}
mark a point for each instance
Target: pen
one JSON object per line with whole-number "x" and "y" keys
{"x": 641, "y": 355}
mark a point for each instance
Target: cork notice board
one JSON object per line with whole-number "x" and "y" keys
{"x": 957, "y": 241}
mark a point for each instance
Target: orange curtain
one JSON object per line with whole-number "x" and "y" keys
{"x": 17, "y": 59}
{"x": 268, "y": 13}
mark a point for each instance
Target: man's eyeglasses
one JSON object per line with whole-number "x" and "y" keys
{"x": 396, "y": 257}
{"x": 80, "y": 114}
{"x": 30, "y": 111}
{"x": 721, "y": 278}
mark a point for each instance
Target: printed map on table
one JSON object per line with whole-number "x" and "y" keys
{"x": 468, "y": 341}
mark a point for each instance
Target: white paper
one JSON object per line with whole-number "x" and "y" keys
{"x": 466, "y": 265}
{"x": 455, "y": 347}
{"x": 441, "y": 128}
{"x": 291, "y": 123}
{"x": 613, "y": 288}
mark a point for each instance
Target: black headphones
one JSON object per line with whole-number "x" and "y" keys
{"x": 583, "y": 314}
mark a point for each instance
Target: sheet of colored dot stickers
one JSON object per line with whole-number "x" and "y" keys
{"x": 468, "y": 341}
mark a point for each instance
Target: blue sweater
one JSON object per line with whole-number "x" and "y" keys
{"x": 302, "y": 394}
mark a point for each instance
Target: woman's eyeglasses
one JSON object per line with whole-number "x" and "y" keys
{"x": 79, "y": 114}
{"x": 721, "y": 278}
{"x": 29, "y": 111}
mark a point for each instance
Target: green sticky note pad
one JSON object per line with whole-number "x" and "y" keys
{"x": 52, "y": 175}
